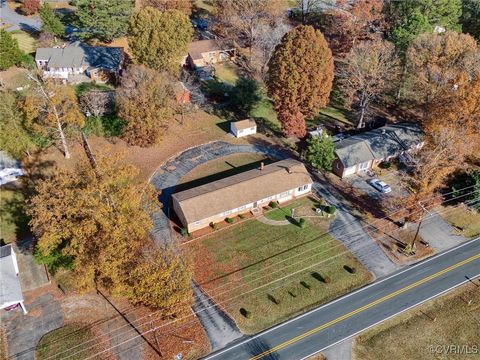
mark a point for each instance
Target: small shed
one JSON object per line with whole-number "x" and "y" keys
{"x": 11, "y": 295}
{"x": 243, "y": 127}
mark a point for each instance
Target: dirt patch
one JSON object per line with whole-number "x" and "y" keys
{"x": 14, "y": 77}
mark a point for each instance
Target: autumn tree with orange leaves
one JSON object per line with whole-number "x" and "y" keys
{"x": 300, "y": 77}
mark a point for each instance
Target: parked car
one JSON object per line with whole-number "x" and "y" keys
{"x": 380, "y": 186}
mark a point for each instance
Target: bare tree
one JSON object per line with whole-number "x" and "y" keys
{"x": 97, "y": 103}
{"x": 368, "y": 72}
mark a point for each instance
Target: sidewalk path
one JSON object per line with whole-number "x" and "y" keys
{"x": 268, "y": 221}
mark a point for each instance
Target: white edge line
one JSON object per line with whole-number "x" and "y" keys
{"x": 408, "y": 268}
{"x": 392, "y": 316}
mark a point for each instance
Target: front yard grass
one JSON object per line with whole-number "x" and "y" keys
{"x": 465, "y": 220}
{"x": 443, "y": 321}
{"x": 264, "y": 274}
{"x": 265, "y": 112}
{"x": 58, "y": 343}
{"x": 26, "y": 42}
{"x": 226, "y": 73}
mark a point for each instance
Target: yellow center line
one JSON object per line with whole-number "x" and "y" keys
{"x": 365, "y": 307}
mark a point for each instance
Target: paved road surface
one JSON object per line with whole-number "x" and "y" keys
{"x": 355, "y": 312}
{"x": 18, "y": 22}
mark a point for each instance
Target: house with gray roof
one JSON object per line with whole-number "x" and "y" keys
{"x": 80, "y": 63}
{"x": 367, "y": 150}
{"x": 11, "y": 296}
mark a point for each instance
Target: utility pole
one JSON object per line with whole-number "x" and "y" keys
{"x": 419, "y": 225}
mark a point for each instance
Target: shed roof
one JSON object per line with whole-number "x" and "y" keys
{"x": 238, "y": 190}
{"x": 103, "y": 57}
{"x": 244, "y": 124}
{"x": 10, "y": 289}
{"x": 379, "y": 143}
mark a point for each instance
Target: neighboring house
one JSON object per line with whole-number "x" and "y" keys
{"x": 77, "y": 64}
{"x": 248, "y": 191}
{"x": 203, "y": 53}
{"x": 182, "y": 94}
{"x": 243, "y": 128}
{"x": 367, "y": 150}
{"x": 10, "y": 169}
{"x": 11, "y": 295}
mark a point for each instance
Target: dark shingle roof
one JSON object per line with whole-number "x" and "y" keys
{"x": 380, "y": 143}
{"x": 103, "y": 57}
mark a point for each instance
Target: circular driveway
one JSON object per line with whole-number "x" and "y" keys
{"x": 167, "y": 176}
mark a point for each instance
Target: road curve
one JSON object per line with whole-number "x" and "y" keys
{"x": 347, "y": 316}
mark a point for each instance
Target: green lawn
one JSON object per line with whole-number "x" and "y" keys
{"x": 225, "y": 166}
{"x": 13, "y": 222}
{"x": 266, "y": 274}
{"x": 88, "y": 86}
{"x": 465, "y": 220}
{"x": 26, "y": 41}
{"x": 333, "y": 115}
{"x": 264, "y": 112}
{"x": 227, "y": 73}
{"x": 58, "y": 343}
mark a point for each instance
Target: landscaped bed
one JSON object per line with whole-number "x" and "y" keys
{"x": 448, "y": 320}
{"x": 264, "y": 274}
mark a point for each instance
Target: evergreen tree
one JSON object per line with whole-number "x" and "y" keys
{"x": 300, "y": 77}
{"x": 103, "y": 19}
{"x": 51, "y": 22}
{"x": 10, "y": 53}
{"x": 321, "y": 152}
{"x": 159, "y": 39}
{"x": 246, "y": 94}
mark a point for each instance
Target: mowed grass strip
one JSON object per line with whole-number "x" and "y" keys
{"x": 449, "y": 320}
{"x": 467, "y": 221}
{"x": 266, "y": 274}
{"x": 26, "y": 42}
{"x": 57, "y": 344}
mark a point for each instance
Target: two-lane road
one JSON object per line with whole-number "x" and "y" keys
{"x": 347, "y": 316}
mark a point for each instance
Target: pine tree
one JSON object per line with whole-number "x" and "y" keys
{"x": 300, "y": 76}
{"x": 51, "y": 23}
{"x": 10, "y": 53}
{"x": 321, "y": 152}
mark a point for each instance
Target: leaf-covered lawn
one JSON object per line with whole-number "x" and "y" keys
{"x": 274, "y": 272}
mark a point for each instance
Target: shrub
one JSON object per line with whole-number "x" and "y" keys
{"x": 241, "y": 216}
{"x": 331, "y": 209}
{"x": 305, "y": 285}
{"x": 350, "y": 269}
{"x": 327, "y": 279}
{"x": 273, "y": 299}
{"x": 229, "y": 220}
{"x": 247, "y": 314}
{"x": 273, "y": 204}
{"x": 184, "y": 232}
{"x": 386, "y": 165}
{"x": 214, "y": 226}
{"x": 30, "y": 7}
{"x": 302, "y": 223}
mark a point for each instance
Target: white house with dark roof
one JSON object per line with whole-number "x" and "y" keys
{"x": 11, "y": 295}
{"x": 80, "y": 63}
{"x": 367, "y": 150}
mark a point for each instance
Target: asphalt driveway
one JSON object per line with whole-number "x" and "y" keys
{"x": 17, "y": 21}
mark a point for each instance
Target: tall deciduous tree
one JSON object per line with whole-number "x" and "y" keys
{"x": 50, "y": 22}
{"x": 159, "y": 39}
{"x": 435, "y": 62}
{"x": 321, "y": 152}
{"x": 53, "y": 111}
{"x": 300, "y": 77}
{"x": 10, "y": 53}
{"x": 30, "y": 7}
{"x": 452, "y": 128}
{"x": 14, "y": 138}
{"x": 369, "y": 71}
{"x": 144, "y": 101}
{"x": 184, "y": 6}
{"x": 103, "y": 19}
{"x": 99, "y": 219}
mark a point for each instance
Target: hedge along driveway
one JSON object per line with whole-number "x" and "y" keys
{"x": 274, "y": 272}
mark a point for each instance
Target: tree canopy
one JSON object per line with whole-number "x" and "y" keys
{"x": 50, "y": 22}
{"x": 184, "y": 6}
{"x": 300, "y": 77}
{"x": 99, "y": 219}
{"x": 145, "y": 102}
{"x": 245, "y": 94}
{"x": 10, "y": 53}
{"x": 103, "y": 19}
{"x": 321, "y": 152}
{"x": 14, "y": 138}
{"x": 471, "y": 17}
{"x": 159, "y": 39}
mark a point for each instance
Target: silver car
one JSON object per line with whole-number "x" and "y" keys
{"x": 380, "y": 186}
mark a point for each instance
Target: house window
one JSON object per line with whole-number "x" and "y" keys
{"x": 242, "y": 207}
{"x": 198, "y": 222}
{"x": 285, "y": 193}
{"x": 363, "y": 166}
{"x": 303, "y": 188}
{"x": 227, "y": 212}
{"x": 252, "y": 129}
